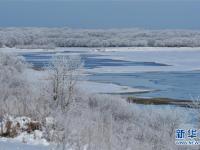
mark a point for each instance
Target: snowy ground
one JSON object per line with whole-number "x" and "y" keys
{"x": 13, "y": 144}
{"x": 23, "y": 140}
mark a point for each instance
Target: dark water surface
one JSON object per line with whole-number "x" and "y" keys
{"x": 178, "y": 85}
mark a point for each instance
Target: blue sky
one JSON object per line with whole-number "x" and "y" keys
{"x": 150, "y": 14}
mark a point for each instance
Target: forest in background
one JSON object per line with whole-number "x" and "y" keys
{"x": 32, "y": 37}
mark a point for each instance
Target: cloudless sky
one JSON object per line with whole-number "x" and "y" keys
{"x": 151, "y": 14}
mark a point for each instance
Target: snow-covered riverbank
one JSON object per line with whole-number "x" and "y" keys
{"x": 39, "y": 77}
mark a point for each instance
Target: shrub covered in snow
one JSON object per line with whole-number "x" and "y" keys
{"x": 14, "y": 89}
{"x": 105, "y": 122}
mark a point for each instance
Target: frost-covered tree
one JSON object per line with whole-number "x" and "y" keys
{"x": 64, "y": 71}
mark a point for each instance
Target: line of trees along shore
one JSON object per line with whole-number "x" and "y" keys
{"x": 32, "y": 37}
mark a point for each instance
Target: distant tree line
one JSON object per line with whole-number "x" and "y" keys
{"x": 67, "y": 37}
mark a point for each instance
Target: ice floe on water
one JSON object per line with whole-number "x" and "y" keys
{"x": 108, "y": 88}
{"x": 175, "y": 59}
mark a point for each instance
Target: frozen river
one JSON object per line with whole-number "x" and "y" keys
{"x": 169, "y": 72}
